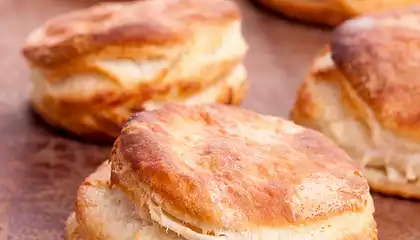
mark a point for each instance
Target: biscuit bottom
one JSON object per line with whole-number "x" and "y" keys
{"x": 106, "y": 213}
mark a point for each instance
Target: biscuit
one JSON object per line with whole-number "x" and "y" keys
{"x": 356, "y": 7}
{"x": 332, "y": 12}
{"x": 363, "y": 93}
{"x": 93, "y": 68}
{"x": 327, "y": 12}
{"x": 222, "y": 172}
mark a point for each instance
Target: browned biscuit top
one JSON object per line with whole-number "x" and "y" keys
{"x": 139, "y": 22}
{"x": 362, "y": 7}
{"x": 232, "y": 168}
{"x": 380, "y": 56}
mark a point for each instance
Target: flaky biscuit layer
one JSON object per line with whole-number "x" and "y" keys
{"x": 104, "y": 212}
{"x": 102, "y": 120}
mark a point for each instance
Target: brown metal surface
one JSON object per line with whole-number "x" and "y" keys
{"x": 41, "y": 169}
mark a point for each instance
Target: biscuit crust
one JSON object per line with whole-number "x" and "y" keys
{"x": 375, "y": 52}
{"x": 80, "y": 32}
{"x": 323, "y": 12}
{"x": 222, "y": 167}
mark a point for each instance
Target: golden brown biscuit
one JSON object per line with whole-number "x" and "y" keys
{"x": 93, "y": 68}
{"x": 364, "y": 94}
{"x": 331, "y": 12}
{"x": 357, "y": 7}
{"x": 315, "y": 11}
{"x": 220, "y": 172}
